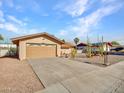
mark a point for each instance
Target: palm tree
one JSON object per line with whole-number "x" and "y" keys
{"x": 76, "y": 40}
{"x": 63, "y": 40}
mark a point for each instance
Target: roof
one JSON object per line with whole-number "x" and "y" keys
{"x": 94, "y": 44}
{"x": 17, "y": 39}
{"x": 81, "y": 44}
{"x": 67, "y": 45}
{"x": 100, "y": 43}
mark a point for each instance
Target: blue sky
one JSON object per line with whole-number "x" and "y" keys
{"x": 65, "y": 19}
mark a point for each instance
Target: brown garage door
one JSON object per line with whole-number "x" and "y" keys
{"x": 41, "y": 51}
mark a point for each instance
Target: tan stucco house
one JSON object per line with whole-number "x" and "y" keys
{"x": 41, "y": 45}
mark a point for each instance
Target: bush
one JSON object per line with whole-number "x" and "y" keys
{"x": 12, "y": 51}
{"x": 73, "y": 53}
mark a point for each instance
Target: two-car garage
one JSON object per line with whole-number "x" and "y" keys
{"x": 39, "y": 50}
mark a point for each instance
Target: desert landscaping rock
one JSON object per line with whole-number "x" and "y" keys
{"x": 98, "y": 60}
{"x": 17, "y": 77}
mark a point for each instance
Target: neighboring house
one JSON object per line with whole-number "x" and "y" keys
{"x": 81, "y": 47}
{"x": 41, "y": 45}
{"x": 5, "y": 49}
{"x": 95, "y": 46}
{"x": 106, "y": 46}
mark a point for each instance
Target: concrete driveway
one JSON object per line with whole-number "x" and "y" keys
{"x": 60, "y": 75}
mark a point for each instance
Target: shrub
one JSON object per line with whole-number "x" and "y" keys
{"x": 73, "y": 53}
{"x": 12, "y": 51}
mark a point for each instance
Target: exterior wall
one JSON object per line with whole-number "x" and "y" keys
{"x": 22, "y": 45}
{"x": 79, "y": 51}
{"x": 22, "y": 50}
{"x": 58, "y": 50}
{"x": 66, "y": 51}
{"x": 3, "y": 52}
{"x": 106, "y": 48}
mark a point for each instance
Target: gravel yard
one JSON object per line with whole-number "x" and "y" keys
{"x": 98, "y": 60}
{"x": 17, "y": 77}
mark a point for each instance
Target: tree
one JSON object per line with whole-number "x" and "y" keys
{"x": 76, "y": 40}
{"x": 115, "y": 43}
{"x": 63, "y": 40}
{"x": 73, "y": 52}
{"x": 1, "y": 37}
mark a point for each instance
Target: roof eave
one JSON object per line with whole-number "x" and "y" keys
{"x": 39, "y": 34}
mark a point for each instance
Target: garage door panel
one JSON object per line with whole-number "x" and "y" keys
{"x": 41, "y": 51}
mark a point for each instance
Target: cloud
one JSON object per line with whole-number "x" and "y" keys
{"x": 74, "y": 7}
{"x": 1, "y": 13}
{"x": 97, "y": 16}
{"x": 15, "y": 20}
{"x": 22, "y": 5}
{"x": 28, "y": 5}
{"x": 17, "y": 29}
{"x": 11, "y": 27}
{"x": 12, "y": 24}
{"x": 83, "y": 25}
{"x": 1, "y": 26}
{"x": 2, "y": 16}
{"x": 19, "y": 8}
{"x": 63, "y": 32}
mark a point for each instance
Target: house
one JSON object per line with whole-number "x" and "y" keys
{"x": 41, "y": 45}
{"x": 95, "y": 46}
{"x": 81, "y": 47}
{"x": 106, "y": 46}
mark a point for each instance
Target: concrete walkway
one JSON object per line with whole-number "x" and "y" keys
{"x": 66, "y": 76}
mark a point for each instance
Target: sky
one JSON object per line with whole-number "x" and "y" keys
{"x": 65, "y": 19}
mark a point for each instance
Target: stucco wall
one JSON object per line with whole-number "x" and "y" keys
{"x": 22, "y": 45}
{"x": 66, "y": 51}
{"x": 106, "y": 48}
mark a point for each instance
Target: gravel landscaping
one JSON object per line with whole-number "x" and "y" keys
{"x": 17, "y": 77}
{"x": 98, "y": 60}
